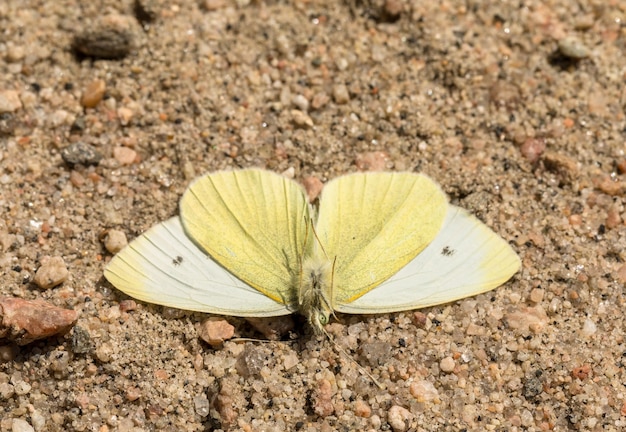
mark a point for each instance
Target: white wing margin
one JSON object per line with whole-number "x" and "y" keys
{"x": 165, "y": 267}
{"x": 466, "y": 258}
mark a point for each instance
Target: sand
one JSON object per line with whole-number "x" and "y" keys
{"x": 516, "y": 109}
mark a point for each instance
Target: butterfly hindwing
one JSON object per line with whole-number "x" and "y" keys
{"x": 165, "y": 267}
{"x": 466, "y": 258}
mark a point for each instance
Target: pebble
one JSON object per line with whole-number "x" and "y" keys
{"x": 319, "y": 100}
{"x": 372, "y": 161}
{"x": 322, "y": 398}
{"x": 24, "y": 321}
{"x": 527, "y": 320}
{"x": 115, "y": 241}
{"x": 424, "y": 391}
{"x": 340, "y": 94}
{"x": 81, "y": 153}
{"x": 8, "y": 353}
{"x": 250, "y": 362}
{"x": 573, "y": 48}
{"x": 447, "y": 364}
{"x": 110, "y": 38}
{"x": 52, "y": 272}
{"x": 565, "y": 167}
{"x": 536, "y": 295}
{"x": 399, "y": 418}
{"x": 202, "y": 405}
{"x": 9, "y": 101}
{"x": 301, "y": 119}
{"x": 6, "y": 391}
{"x": 589, "y": 328}
{"x": 362, "y": 409}
{"x": 81, "y": 342}
{"x": 376, "y": 353}
{"x": 93, "y": 93}
{"x": 300, "y": 102}
{"x": 313, "y": 187}
{"x": 21, "y": 425}
{"x": 215, "y": 331}
{"x": 124, "y": 155}
{"x": 273, "y": 328}
{"x": 125, "y": 115}
{"x": 532, "y": 148}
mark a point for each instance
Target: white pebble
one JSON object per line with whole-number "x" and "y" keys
{"x": 447, "y": 364}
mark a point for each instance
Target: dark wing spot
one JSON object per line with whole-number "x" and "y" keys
{"x": 178, "y": 260}
{"x": 447, "y": 251}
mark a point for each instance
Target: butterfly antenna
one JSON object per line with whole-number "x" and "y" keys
{"x": 343, "y": 352}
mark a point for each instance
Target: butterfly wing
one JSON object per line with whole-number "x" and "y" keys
{"x": 165, "y": 267}
{"x": 373, "y": 224}
{"x": 466, "y": 258}
{"x": 253, "y": 223}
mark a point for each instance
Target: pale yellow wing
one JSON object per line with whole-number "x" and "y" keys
{"x": 373, "y": 224}
{"x": 253, "y": 223}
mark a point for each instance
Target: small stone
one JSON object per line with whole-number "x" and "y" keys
{"x": 21, "y": 425}
{"x": 24, "y": 321}
{"x": 565, "y": 167}
{"x": 290, "y": 361}
{"x": 6, "y": 391}
{"x": 532, "y": 148}
{"x": 372, "y": 161}
{"x": 59, "y": 362}
{"x": 392, "y": 9}
{"x": 38, "y": 420}
{"x": 115, "y": 241}
{"x": 215, "y": 331}
{"x": 81, "y": 153}
{"x": 536, "y": 295}
{"x": 340, "y": 94}
{"x": 300, "y": 102}
{"x": 582, "y": 372}
{"x": 81, "y": 342}
{"x": 21, "y": 387}
{"x": 322, "y": 398}
{"x": 8, "y": 353}
{"x": 128, "y": 305}
{"x": 527, "y": 320}
{"x": 399, "y": 418}
{"x": 609, "y": 185}
{"x": 301, "y": 119}
{"x": 613, "y": 218}
{"x": 273, "y": 328}
{"x": 124, "y": 155}
{"x": 125, "y": 115}
{"x": 447, "y": 364}
{"x": 424, "y": 391}
{"x": 93, "y": 93}
{"x": 211, "y": 5}
{"x": 9, "y": 101}
{"x": 52, "y": 272}
{"x": 419, "y": 319}
{"x": 201, "y": 404}
{"x": 621, "y": 274}
{"x": 589, "y": 328}
{"x": 319, "y": 100}
{"x": 376, "y": 353}
{"x": 250, "y": 362}
{"x": 313, "y": 187}
{"x": 573, "y": 48}
{"x": 110, "y": 38}
{"x": 362, "y": 409}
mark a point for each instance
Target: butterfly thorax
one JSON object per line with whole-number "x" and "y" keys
{"x": 315, "y": 293}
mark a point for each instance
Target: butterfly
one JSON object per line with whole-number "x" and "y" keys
{"x": 248, "y": 243}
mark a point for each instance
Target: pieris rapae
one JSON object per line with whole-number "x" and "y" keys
{"x": 247, "y": 243}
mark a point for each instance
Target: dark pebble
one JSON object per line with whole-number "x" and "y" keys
{"x": 81, "y": 340}
{"x": 81, "y": 153}
{"x": 109, "y": 42}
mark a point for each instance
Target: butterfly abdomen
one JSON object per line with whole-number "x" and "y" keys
{"x": 315, "y": 291}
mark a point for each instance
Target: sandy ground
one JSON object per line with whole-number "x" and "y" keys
{"x": 515, "y": 108}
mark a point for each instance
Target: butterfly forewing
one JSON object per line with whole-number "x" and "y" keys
{"x": 373, "y": 224}
{"x": 253, "y": 223}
